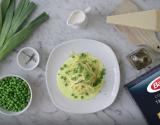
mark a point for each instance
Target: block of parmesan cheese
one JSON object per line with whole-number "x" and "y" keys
{"x": 149, "y": 20}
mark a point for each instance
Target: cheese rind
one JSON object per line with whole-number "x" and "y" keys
{"x": 144, "y": 19}
{"x": 158, "y": 20}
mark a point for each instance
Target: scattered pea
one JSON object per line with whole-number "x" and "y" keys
{"x": 72, "y": 94}
{"x": 87, "y": 94}
{"x": 83, "y": 55}
{"x": 94, "y": 61}
{"x": 61, "y": 77}
{"x": 64, "y": 78}
{"x": 65, "y": 65}
{"x": 93, "y": 69}
{"x": 66, "y": 84}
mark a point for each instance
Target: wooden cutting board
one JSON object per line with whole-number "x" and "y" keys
{"x": 138, "y": 36}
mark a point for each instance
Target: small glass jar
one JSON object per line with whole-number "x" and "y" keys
{"x": 141, "y": 57}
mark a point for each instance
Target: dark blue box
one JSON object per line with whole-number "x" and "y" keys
{"x": 146, "y": 92}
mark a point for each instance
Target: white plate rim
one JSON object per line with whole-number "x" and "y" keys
{"x": 118, "y": 77}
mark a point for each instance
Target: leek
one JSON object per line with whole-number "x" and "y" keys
{"x": 13, "y": 27}
{"x": 17, "y": 22}
{"x": 0, "y": 18}
{"x": 7, "y": 23}
{"x": 5, "y": 4}
{"x": 22, "y": 35}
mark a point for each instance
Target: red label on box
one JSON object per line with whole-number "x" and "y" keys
{"x": 154, "y": 86}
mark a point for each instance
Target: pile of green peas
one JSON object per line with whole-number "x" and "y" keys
{"x": 14, "y": 94}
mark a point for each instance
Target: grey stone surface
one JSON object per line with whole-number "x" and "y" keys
{"x": 124, "y": 111}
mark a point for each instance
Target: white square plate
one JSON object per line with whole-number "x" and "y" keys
{"x": 112, "y": 78}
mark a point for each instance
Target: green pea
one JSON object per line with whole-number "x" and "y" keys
{"x": 82, "y": 55}
{"x": 61, "y": 68}
{"x": 94, "y": 61}
{"x": 72, "y": 94}
{"x": 86, "y": 93}
{"x": 73, "y": 56}
{"x": 14, "y": 94}
{"x": 66, "y": 84}
{"x": 65, "y": 65}
{"x": 65, "y": 78}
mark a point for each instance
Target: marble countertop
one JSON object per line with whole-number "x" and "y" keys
{"x": 124, "y": 111}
